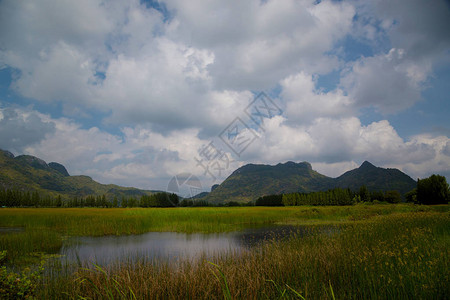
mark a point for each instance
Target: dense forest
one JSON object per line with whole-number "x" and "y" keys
{"x": 432, "y": 190}
{"x": 335, "y": 196}
{"x": 17, "y": 198}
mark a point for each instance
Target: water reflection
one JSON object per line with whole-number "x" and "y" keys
{"x": 168, "y": 245}
{"x": 11, "y": 229}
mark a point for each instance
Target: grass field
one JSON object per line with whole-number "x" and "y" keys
{"x": 380, "y": 251}
{"x": 45, "y": 228}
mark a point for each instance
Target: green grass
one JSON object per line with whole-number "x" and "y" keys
{"x": 45, "y": 228}
{"x": 380, "y": 251}
{"x": 396, "y": 256}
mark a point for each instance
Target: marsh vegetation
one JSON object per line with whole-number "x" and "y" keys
{"x": 378, "y": 251}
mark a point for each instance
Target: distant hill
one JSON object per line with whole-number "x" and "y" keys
{"x": 204, "y": 194}
{"x": 29, "y": 173}
{"x": 199, "y": 195}
{"x": 252, "y": 181}
{"x": 376, "y": 179}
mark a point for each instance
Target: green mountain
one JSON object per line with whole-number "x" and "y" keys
{"x": 29, "y": 173}
{"x": 376, "y": 179}
{"x": 252, "y": 181}
{"x": 199, "y": 195}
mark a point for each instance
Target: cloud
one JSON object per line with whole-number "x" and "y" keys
{"x": 147, "y": 159}
{"x": 339, "y": 142}
{"x": 26, "y": 28}
{"x": 446, "y": 149}
{"x": 419, "y": 27}
{"x": 139, "y": 157}
{"x": 61, "y": 74}
{"x": 126, "y": 68}
{"x": 388, "y": 82}
{"x": 62, "y": 49}
{"x": 168, "y": 84}
{"x": 194, "y": 77}
{"x": 439, "y": 163}
{"x": 19, "y": 130}
{"x": 256, "y": 43}
{"x": 334, "y": 169}
{"x": 165, "y": 86}
{"x": 139, "y": 68}
{"x": 415, "y": 39}
{"x": 304, "y": 102}
{"x": 73, "y": 146}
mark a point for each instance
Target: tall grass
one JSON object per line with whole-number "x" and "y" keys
{"x": 401, "y": 256}
{"x": 33, "y": 241}
{"x": 45, "y": 228}
{"x": 116, "y": 221}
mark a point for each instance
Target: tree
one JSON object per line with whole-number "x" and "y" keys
{"x": 393, "y": 197}
{"x": 433, "y": 190}
{"x": 58, "y": 202}
{"x": 174, "y": 199}
{"x": 35, "y": 199}
{"x": 377, "y": 195}
{"x": 270, "y": 200}
{"x": 364, "y": 194}
{"x": 186, "y": 203}
{"x": 411, "y": 196}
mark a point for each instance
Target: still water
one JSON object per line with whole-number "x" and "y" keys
{"x": 6, "y": 230}
{"x": 170, "y": 246}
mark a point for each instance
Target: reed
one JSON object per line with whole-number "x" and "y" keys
{"x": 379, "y": 251}
{"x": 396, "y": 256}
{"x": 45, "y": 228}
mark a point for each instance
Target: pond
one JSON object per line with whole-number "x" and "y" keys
{"x": 171, "y": 246}
{"x": 6, "y": 230}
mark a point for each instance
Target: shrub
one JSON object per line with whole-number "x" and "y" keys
{"x": 432, "y": 190}
{"x": 270, "y": 200}
{"x": 17, "y": 285}
{"x": 393, "y": 197}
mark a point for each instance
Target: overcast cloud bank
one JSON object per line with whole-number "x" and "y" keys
{"x": 129, "y": 92}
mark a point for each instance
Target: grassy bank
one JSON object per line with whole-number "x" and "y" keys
{"x": 392, "y": 256}
{"x": 45, "y": 228}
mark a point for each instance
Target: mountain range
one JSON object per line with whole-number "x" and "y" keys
{"x": 252, "y": 181}
{"x": 29, "y": 173}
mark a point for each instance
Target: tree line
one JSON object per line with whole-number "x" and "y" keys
{"x": 337, "y": 196}
{"x": 17, "y": 198}
{"x": 431, "y": 190}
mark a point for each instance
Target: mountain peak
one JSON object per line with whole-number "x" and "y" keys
{"x": 30, "y": 173}
{"x": 7, "y": 153}
{"x": 375, "y": 179}
{"x": 254, "y": 180}
{"x": 33, "y": 161}
{"x": 288, "y": 166}
{"x": 59, "y": 167}
{"x": 304, "y": 164}
{"x": 367, "y": 165}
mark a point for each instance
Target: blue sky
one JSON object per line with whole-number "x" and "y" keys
{"x": 136, "y": 92}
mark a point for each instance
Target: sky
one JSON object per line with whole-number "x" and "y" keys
{"x": 139, "y": 92}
